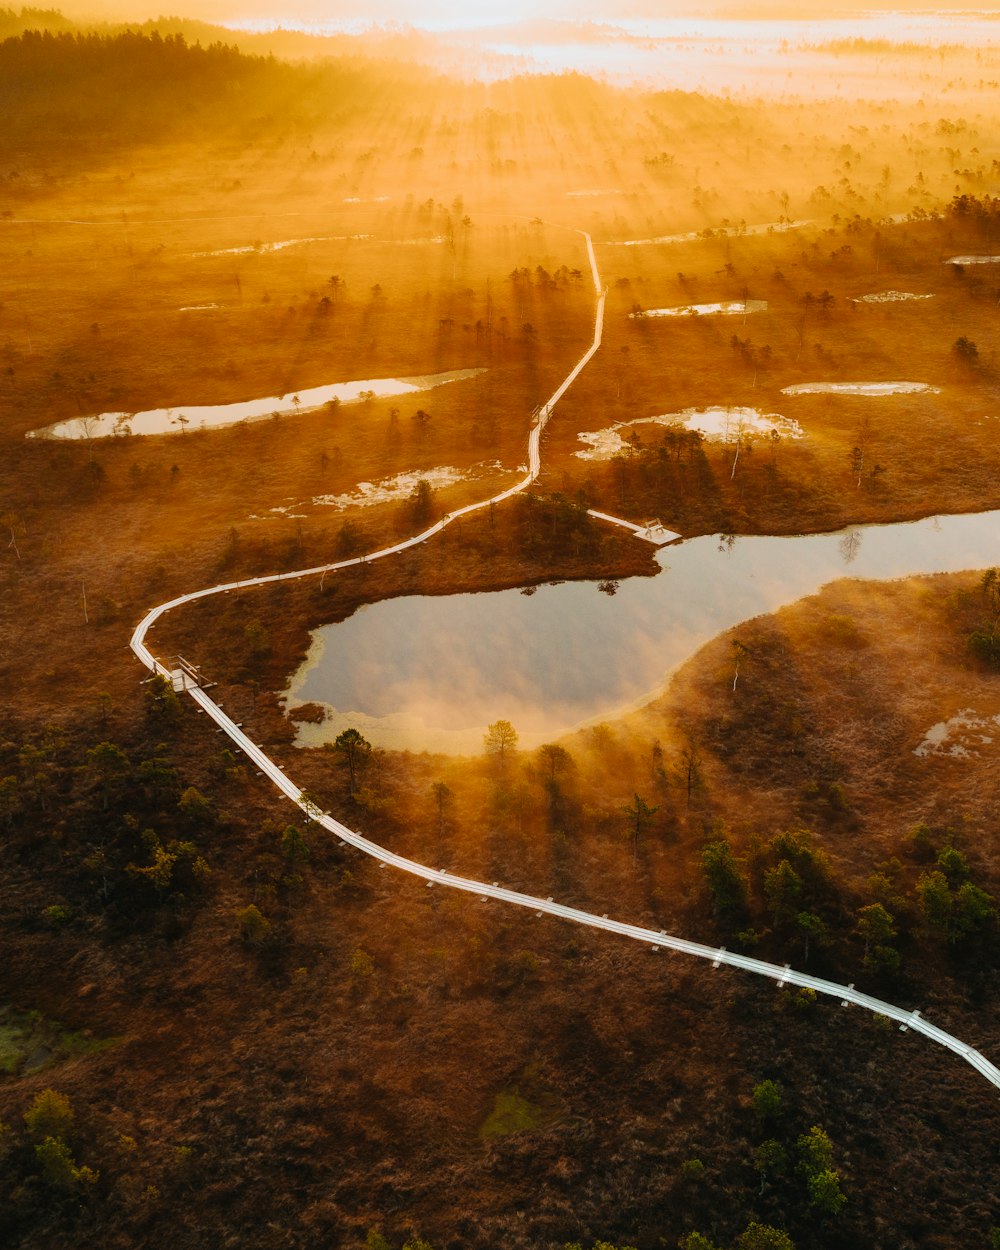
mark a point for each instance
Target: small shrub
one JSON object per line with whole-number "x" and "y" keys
{"x": 255, "y": 928}
{"x": 362, "y": 965}
{"x": 767, "y": 1100}
{"x": 763, "y": 1237}
{"x": 50, "y": 1115}
{"x": 59, "y": 1167}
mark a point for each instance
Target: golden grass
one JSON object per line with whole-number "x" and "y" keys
{"x": 91, "y": 321}
{"x": 829, "y": 694}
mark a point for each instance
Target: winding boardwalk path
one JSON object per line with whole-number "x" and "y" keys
{"x": 657, "y": 940}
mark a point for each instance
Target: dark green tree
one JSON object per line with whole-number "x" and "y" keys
{"x": 50, "y": 1115}
{"x": 639, "y": 815}
{"x": 110, "y": 764}
{"x": 294, "y": 846}
{"x": 812, "y": 930}
{"x": 935, "y": 898}
{"x": 770, "y": 1159}
{"x": 58, "y": 1166}
{"x": 255, "y": 928}
{"x": 725, "y": 881}
{"x": 815, "y": 1151}
{"x": 161, "y": 699}
{"x": 783, "y": 890}
{"x": 825, "y": 1194}
{"x": 10, "y": 800}
{"x": 953, "y": 864}
{"x": 973, "y": 912}
{"x": 876, "y": 927}
{"x": 816, "y": 1165}
{"x": 354, "y": 749}
{"x": 763, "y": 1237}
{"x": 767, "y": 1101}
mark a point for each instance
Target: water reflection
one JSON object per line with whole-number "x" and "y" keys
{"x": 876, "y": 389}
{"x": 431, "y": 672}
{"x": 727, "y": 308}
{"x": 214, "y": 416}
{"x": 850, "y": 544}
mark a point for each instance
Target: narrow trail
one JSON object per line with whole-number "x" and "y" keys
{"x": 657, "y": 940}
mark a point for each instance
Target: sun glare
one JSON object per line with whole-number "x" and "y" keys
{"x": 442, "y": 16}
{"x": 499, "y": 518}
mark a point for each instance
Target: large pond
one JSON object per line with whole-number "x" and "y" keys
{"x": 430, "y": 672}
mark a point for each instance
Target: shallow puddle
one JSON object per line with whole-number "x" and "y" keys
{"x": 719, "y": 424}
{"x": 692, "y": 236}
{"x": 728, "y": 308}
{"x": 262, "y": 249}
{"x": 887, "y": 297}
{"x": 388, "y": 490}
{"x": 964, "y": 735}
{"x": 862, "y": 388}
{"x": 214, "y": 416}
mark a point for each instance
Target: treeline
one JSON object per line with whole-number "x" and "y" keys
{"x": 104, "y": 76}
{"x": 41, "y": 59}
{"x": 982, "y": 211}
{"x": 785, "y": 897}
{"x": 59, "y": 86}
{"x": 984, "y": 639}
{"x": 14, "y": 22}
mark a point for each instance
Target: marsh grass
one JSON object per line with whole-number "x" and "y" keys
{"x": 29, "y": 1041}
{"x": 253, "y": 1068}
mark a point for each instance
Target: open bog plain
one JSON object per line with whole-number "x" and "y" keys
{"x": 500, "y": 600}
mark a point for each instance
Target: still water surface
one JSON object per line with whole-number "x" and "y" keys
{"x": 430, "y": 672}
{"x": 215, "y": 416}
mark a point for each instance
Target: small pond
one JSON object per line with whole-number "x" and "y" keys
{"x": 214, "y": 416}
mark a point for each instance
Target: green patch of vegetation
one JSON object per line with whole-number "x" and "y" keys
{"x": 29, "y": 1041}
{"x": 513, "y": 1113}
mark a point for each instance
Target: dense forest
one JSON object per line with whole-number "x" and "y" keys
{"x": 58, "y": 87}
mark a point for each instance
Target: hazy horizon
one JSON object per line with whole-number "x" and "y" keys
{"x": 456, "y": 15}
{"x": 726, "y": 49}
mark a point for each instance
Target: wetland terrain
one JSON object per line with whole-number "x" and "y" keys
{"x": 779, "y": 734}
